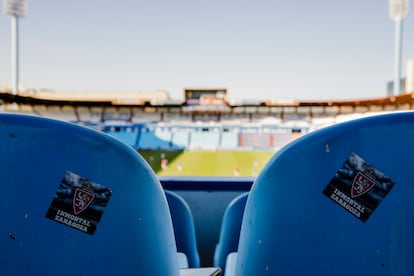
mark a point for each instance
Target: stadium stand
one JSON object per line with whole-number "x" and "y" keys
{"x": 174, "y": 115}
{"x": 64, "y": 113}
{"x": 229, "y": 140}
{"x": 95, "y": 114}
{"x": 168, "y": 137}
{"x": 148, "y": 136}
{"x": 255, "y": 140}
{"x": 164, "y": 135}
{"x": 147, "y": 115}
{"x": 83, "y": 114}
{"x": 205, "y": 140}
{"x": 281, "y": 138}
{"x": 128, "y": 135}
{"x": 180, "y": 137}
{"x": 117, "y": 114}
{"x": 16, "y": 108}
{"x": 148, "y": 140}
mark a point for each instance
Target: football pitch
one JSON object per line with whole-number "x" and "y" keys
{"x": 207, "y": 163}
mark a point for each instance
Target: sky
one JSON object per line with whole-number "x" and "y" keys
{"x": 257, "y": 49}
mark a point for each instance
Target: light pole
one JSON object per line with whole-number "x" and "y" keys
{"x": 398, "y": 11}
{"x": 15, "y": 9}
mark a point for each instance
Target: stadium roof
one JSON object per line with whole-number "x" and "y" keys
{"x": 161, "y": 98}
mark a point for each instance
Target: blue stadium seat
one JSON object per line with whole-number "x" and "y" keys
{"x": 79, "y": 202}
{"x": 338, "y": 201}
{"x": 184, "y": 230}
{"x": 230, "y": 230}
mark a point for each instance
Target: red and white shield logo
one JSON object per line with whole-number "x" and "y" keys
{"x": 81, "y": 200}
{"x": 361, "y": 185}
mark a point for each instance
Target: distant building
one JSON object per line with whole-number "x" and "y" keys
{"x": 409, "y": 80}
{"x": 390, "y": 87}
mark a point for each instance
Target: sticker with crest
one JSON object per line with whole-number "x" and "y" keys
{"x": 358, "y": 187}
{"x": 79, "y": 203}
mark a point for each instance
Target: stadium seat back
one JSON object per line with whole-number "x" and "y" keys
{"x": 78, "y": 202}
{"x": 184, "y": 230}
{"x": 230, "y": 230}
{"x": 338, "y": 201}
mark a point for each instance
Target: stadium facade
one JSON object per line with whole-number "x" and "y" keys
{"x": 205, "y": 120}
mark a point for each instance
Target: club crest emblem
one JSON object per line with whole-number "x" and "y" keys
{"x": 358, "y": 187}
{"x": 82, "y": 198}
{"x": 361, "y": 185}
{"x": 79, "y": 203}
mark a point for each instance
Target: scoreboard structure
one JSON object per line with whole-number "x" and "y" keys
{"x": 205, "y": 96}
{"x": 205, "y": 104}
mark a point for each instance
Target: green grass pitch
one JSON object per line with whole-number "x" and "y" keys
{"x": 207, "y": 163}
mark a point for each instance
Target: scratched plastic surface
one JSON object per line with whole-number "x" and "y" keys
{"x": 134, "y": 235}
{"x": 291, "y": 228}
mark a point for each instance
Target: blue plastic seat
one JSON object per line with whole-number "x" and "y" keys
{"x": 230, "y": 230}
{"x": 184, "y": 230}
{"x": 338, "y": 201}
{"x": 79, "y": 202}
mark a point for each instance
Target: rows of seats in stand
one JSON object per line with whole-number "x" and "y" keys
{"x": 204, "y": 140}
{"x": 79, "y": 202}
{"x": 229, "y": 140}
{"x": 337, "y": 201}
{"x": 128, "y": 137}
{"x": 148, "y": 139}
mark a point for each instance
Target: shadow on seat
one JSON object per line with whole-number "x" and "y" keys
{"x": 230, "y": 230}
{"x": 338, "y": 201}
{"x": 79, "y": 202}
{"x": 184, "y": 230}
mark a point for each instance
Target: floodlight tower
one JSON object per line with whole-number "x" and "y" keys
{"x": 398, "y": 11}
{"x": 15, "y": 9}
